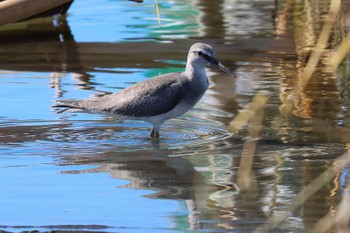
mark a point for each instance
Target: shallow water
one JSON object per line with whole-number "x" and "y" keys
{"x": 88, "y": 172}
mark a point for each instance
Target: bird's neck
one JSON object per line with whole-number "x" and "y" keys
{"x": 195, "y": 71}
{"x": 197, "y": 75}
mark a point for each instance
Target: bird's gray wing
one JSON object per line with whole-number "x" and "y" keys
{"x": 147, "y": 98}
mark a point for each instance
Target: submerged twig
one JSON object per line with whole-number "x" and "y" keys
{"x": 245, "y": 176}
{"x": 253, "y": 113}
{"x": 306, "y": 193}
{"x": 338, "y": 218}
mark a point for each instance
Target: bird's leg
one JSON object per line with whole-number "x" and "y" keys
{"x": 154, "y": 134}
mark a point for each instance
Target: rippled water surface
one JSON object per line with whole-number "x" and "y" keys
{"x": 88, "y": 172}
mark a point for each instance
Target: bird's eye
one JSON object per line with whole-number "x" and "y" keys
{"x": 199, "y": 53}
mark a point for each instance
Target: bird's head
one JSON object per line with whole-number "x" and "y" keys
{"x": 204, "y": 54}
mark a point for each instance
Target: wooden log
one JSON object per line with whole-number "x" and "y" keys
{"x": 15, "y": 10}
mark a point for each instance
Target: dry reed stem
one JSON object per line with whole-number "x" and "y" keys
{"x": 338, "y": 218}
{"x": 319, "y": 48}
{"x": 340, "y": 53}
{"x": 248, "y": 112}
{"x": 157, "y": 9}
{"x": 288, "y": 105}
{"x": 306, "y": 192}
{"x": 314, "y": 59}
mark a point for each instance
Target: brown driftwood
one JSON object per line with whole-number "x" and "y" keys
{"x": 15, "y": 10}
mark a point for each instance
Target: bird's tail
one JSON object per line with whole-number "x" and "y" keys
{"x": 67, "y": 106}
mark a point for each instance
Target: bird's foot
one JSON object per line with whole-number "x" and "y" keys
{"x": 154, "y": 134}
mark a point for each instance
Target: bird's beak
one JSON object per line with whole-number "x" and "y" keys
{"x": 218, "y": 64}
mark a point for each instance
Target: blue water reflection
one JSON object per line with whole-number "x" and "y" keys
{"x": 20, "y": 90}
{"x": 123, "y": 20}
{"x": 36, "y": 195}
